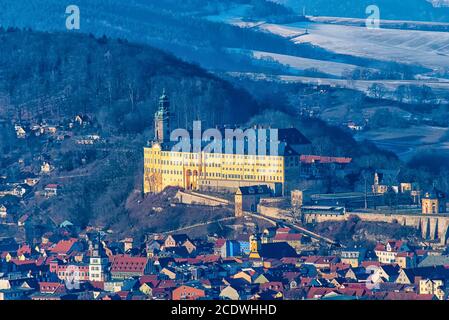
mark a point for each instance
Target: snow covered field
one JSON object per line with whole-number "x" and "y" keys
{"x": 360, "y": 85}
{"x": 299, "y": 63}
{"x": 350, "y": 37}
{"x": 384, "y": 23}
{"x": 425, "y": 48}
{"x": 407, "y": 142}
{"x": 363, "y": 85}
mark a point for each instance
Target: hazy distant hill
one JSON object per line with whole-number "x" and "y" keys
{"x": 420, "y": 10}
{"x": 176, "y": 26}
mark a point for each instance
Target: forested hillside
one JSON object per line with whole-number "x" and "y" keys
{"x": 50, "y": 78}
{"x": 180, "y": 28}
{"x": 196, "y": 31}
{"x": 64, "y": 74}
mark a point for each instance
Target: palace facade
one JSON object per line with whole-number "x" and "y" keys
{"x": 225, "y": 170}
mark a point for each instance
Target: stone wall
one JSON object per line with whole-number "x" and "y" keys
{"x": 432, "y": 227}
{"x": 200, "y": 199}
{"x": 272, "y": 212}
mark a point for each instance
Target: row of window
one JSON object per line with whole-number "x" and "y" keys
{"x": 151, "y": 161}
{"x": 218, "y": 175}
{"x": 192, "y": 156}
{"x": 80, "y": 274}
{"x": 213, "y": 174}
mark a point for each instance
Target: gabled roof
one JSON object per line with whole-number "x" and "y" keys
{"x": 177, "y": 251}
{"x": 432, "y": 260}
{"x": 391, "y": 270}
{"x": 180, "y": 238}
{"x": 283, "y": 230}
{"x": 395, "y": 245}
{"x": 288, "y": 237}
{"x": 254, "y": 190}
{"x": 124, "y": 263}
{"x": 321, "y": 260}
{"x": 272, "y": 285}
{"x": 51, "y": 287}
{"x": 277, "y": 250}
{"x": 408, "y": 296}
{"x": 367, "y": 263}
{"x": 219, "y": 243}
{"x": 209, "y": 258}
{"x": 164, "y": 284}
{"x": 149, "y": 279}
{"x": 434, "y": 272}
{"x": 63, "y": 246}
{"x": 24, "y": 249}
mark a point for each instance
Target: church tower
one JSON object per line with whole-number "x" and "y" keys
{"x": 162, "y": 120}
{"x": 255, "y": 245}
{"x": 98, "y": 263}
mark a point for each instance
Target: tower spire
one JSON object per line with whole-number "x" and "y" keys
{"x": 162, "y": 119}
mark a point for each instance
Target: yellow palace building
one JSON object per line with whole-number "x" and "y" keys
{"x": 226, "y": 169}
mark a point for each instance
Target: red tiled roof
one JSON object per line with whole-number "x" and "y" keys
{"x": 289, "y": 260}
{"x": 231, "y": 260}
{"x": 24, "y": 249}
{"x": 407, "y": 296}
{"x": 208, "y": 258}
{"x": 321, "y": 260}
{"x": 45, "y": 246}
{"x": 63, "y": 246}
{"x": 317, "y": 292}
{"x": 124, "y": 295}
{"x": 305, "y": 281}
{"x": 124, "y": 263}
{"x": 97, "y": 284}
{"x": 370, "y": 263}
{"x": 148, "y": 278}
{"x": 151, "y": 283}
{"x": 324, "y": 159}
{"x": 355, "y": 285}
{"x": 206, "y": 282}
{"x": 288, "y": 237}
{"x": 274, "y": 285}
{"x": 23, "y": 262}
{"x": 340, "y": 266}
{"x": 164, "y": 284}
{"x": 379, "y": 247}
{"x": 188, "y": 260}
{"x": 355, "y": 292}
{"x": 283, "y": 230}
{"x": 405, "y": 254}
{"x": 51, "y": 186}
{"x": 219, "y": 243}
{"x": 51, "y": 287}
{"x": 40, "y": 261}
{"x": 290, "y": 275}
{"x": 394, "y": 244}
